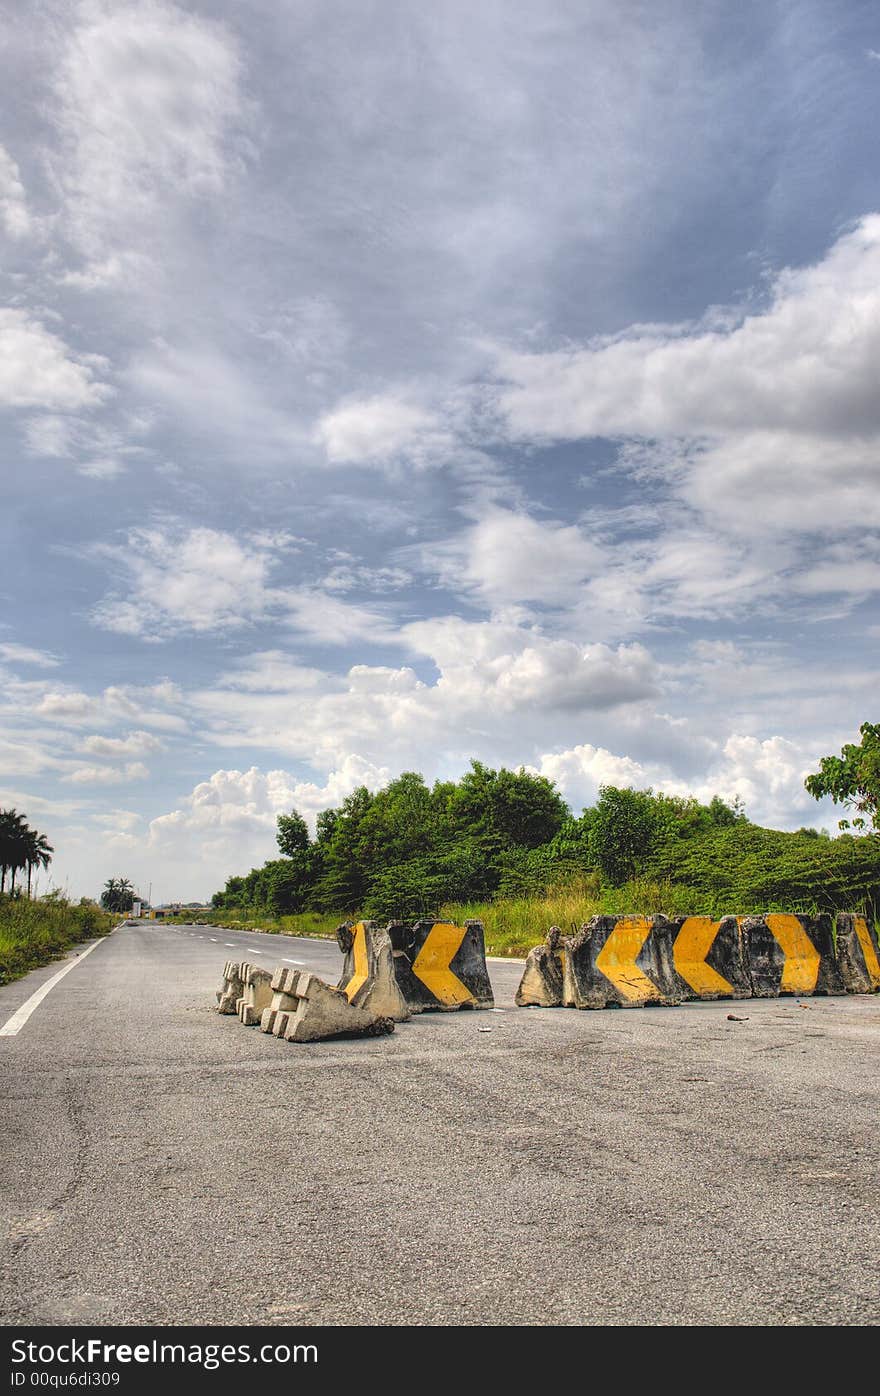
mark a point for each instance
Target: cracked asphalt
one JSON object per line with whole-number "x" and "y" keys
{"x": 164, "y": 1165}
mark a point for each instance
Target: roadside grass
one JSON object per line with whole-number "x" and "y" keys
{"x": 32, "y": 933}
{"x": 513, "y": 925}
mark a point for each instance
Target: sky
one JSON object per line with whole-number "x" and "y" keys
{"x": 386, "y": 385}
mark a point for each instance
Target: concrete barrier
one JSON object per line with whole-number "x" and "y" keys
{"x": 789, "y": 954}
{"x": 441, "y": 966}
{"x": 621, "y": 962}
{"x": 321, "y": 1011}
{"x": 542, "y": 983}
{"x": 368, "y": 975}
{"x": 283, "y": 1001}
{"x": 231, "y": 989}
{"x": 708, "y": 958}
{"x": 858, "y": 954}
{"x": 256, "y": 994}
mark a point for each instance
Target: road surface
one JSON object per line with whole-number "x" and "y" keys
{"x": 164, "y": 1165}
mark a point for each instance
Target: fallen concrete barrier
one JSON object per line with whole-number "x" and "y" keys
{"x": 368, "y": 974}
{"x": 789, "y": 954}
{"x": 320, "y": 1011}
{"x": 256, "y": 994}
{"x": 858, "y": 954}
{"x": 542, "y": 983}
{"x": 283, "y": 1001}
{"x": 231, "y": 990}
{"x": 441, "y": 966}
{"x": 621, "y": 962}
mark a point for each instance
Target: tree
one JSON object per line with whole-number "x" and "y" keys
{"x": 38, "y": 854}
{"x": 852, "y": 779}
{"x": 293, "y": 834}
{"x": 624, "y": 831}
{"x": 118, "y": 894}
{"x": 13, "y": 843}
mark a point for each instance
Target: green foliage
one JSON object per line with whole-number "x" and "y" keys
{"x": 118, "y": 895}
{"x": 852, "y": 779}
{"x": 21, "y": 849}
{"x": 33, "y": 932}
{"x": 293, "y": 834}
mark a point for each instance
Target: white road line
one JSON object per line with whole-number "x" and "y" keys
{"x": 291, "y": 962}
{"x": 256, "y": 952}
{"x": 227, "y": 943}
{"x": 213, "y": 940}
{"x": 504, "y": 960}
{"x": 14, "y": 1025}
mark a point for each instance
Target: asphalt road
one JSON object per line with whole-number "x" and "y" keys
{"x": 164, "y": 1165}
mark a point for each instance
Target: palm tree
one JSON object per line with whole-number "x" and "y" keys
{"x": 118, "y": 894}
{"x": 13, "y": 833}
{"x": 39, "y": 854}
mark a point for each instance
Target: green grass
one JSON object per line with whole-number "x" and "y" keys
{"x": 512, "y": 925}
{"x": 34, "y": 932}
{"x": 315, "y": 924}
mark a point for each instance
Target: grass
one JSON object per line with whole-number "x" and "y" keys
{"x": 512, "y": 925}
{"x": 33, "y": 933}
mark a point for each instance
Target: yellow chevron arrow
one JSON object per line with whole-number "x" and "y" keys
{"x": 361, "y": 962}
{"x": 431, "y": 965}
{"x": 692, "y": 945}
{"x": 802, "y": 959}
{"x": 617, "y": 960}
{"x": 872, "y": 964}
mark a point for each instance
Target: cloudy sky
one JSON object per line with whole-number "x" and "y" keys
{"x": 386, "y": 384}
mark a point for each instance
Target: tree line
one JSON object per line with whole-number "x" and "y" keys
{"x": 408, "y": 848}
{"x": 22, "y": 850}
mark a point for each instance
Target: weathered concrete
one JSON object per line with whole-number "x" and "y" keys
{"x": 283, "y": 1000}
{"x": 858, "y": 954}
{"x": 256, "y": 994}
{"x": 621, "y": 961}
{"x": 709, "y": 958}
{"x": 231, "y": 990}
{"x": 368, "y": 978}
{"x": 542, "y": 982}
{"x": 323, "y": 1011}
{"x": 441, "y": 966}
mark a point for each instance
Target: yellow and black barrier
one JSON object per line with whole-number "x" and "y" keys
{"x": 441, "y": 966}
{"x": 632, "y": 961}
{"x": 620, "y": 961}
{"x": 368, "y": 978}
{"x": 791, "y": 955}
{"x": 858, "y": 954}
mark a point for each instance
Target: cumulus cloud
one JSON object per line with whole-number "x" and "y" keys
{"x": 374, "y": 430}
{"x": 769, "y": 422}
{"x": 37, "y": 368}
{"x": 115, "y": 704}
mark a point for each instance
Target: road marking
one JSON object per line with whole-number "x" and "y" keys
{"x": 230, "y": 943}
{"x": 504, "y": 960}
{"x": 213, "y": 940}
{"x": 14, "y": 1025}
{"x": 293, "y": 962}
{"x": 256, "y": 952}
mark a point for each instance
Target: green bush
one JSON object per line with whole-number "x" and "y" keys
{"x": 34, "y": 932}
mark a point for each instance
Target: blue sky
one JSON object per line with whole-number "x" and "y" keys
{"x": 386, "y": 385}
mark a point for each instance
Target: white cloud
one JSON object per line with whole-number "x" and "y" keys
{"x": 23, "y": 654}
{"x": 14, "y": 215}
{"x": 375, "y": 430}
{"x": 580, "y": 771}
{"x": 122, "y": 821}
{"x": 199, "y": 580}
{"x": 146, "y": 97}
{"x": 37, "y": 369}
{"x": 115, "y": 704}
{"x": 135, "y": 744}
{"x": 508, "y": 556}
{"x": 768, "y": 423}
{"x": 107, "y": 775}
